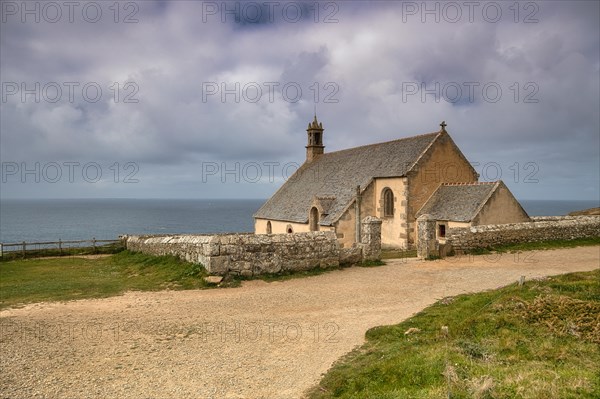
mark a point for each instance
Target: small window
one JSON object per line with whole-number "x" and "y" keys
{"x": 289, "y": 229}
{"x": 388, "y": 202}
{"x": 269, "y": 229}
{"x": 442, "y": 230}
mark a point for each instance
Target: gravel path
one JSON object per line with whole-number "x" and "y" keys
{"x": 262, "y": 340}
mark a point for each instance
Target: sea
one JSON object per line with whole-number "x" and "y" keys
{"x": 39, "y": 220}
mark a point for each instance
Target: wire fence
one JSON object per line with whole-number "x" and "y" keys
{"x": 58, "y": 248}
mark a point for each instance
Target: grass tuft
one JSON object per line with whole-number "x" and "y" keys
{"x": 531, "y": 342}
{"x": 541, "y": 245}
{"x": 68, "y": 278}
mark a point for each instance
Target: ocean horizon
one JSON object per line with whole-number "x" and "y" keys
{"x": 35, "y": 220}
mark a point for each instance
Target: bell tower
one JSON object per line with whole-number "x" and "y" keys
{"x": 315, "y": 146}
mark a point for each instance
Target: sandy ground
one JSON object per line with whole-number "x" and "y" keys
{"x": 262, "y": 340}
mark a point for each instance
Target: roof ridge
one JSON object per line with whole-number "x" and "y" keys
{"x": 462, "y": 204}
{"x": 416, "y": 161}
{"x": 477, "y": 183}
{"x": 336, "y": 174}
{"x": 381, "y": 143}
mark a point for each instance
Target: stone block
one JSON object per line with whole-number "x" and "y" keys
{"x": 246, "y": 273}
{"x": 213, "y": 279}
{"x": 243, "y": 265}
{"x": 211, "y": 249}
{"x": 350, "y": 256}
{"x": 267, "y": 248}
{"x": 231, "y": 249}
{"x": 218, "y": 265}
{"x": 252, "y": 247}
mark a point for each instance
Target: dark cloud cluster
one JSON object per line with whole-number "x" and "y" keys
{"x": 180, "y": 88}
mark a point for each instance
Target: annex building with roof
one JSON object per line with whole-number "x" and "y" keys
{"x": 395, "y": 181}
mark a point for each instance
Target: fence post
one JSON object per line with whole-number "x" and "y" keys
{"x": 60, "y": 246}
{"x": 94, "y": 243}
{"x": 23, "y": 251}
{"x": 1, "y": 250}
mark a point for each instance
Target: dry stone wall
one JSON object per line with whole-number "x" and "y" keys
{"x": 192, "y": 248}
{"x": 245, "y": 254}
{"x": 539, "y": 229}
{"x": 351, "y": 256}
{"x": 255, "y": 254}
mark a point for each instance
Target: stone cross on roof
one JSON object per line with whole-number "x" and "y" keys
{"x": 443, "y": 125}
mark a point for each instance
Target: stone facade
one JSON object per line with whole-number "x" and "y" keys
{"x": 394, "y": 228}
{"x": 539, "y": 229}
{"x": 255, "y": 254}
{"x": 261, "y": 226}
{"x": 442, "y": 163}
{"x": 394, "y": 180}
{"x": 501, "y": 207}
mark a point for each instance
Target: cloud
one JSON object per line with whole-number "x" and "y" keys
{"x": 179, "y": 87}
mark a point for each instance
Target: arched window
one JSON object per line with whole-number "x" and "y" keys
{"x": 313, "y": 219}
{"x": 269, "y": 230}
{"x": 288, "y": 228}
{"x": 388, "y": 202}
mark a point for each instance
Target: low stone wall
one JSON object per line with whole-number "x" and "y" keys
{"x": 246, "y": 254}
{"x": 351, "y": 256}
{"x": 539, "y": 229}
{"x": 253, "y": 254}
{"x": 192, "y": 248}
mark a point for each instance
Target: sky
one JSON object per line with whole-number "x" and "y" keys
{"x": 192, "y": 99}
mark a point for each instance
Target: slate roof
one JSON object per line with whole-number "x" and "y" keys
{"x": 336, "y": 175}
{"x": 459, "y": 202}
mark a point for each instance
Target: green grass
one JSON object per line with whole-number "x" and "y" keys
{"x": 64, "y": 278}
{"x": 67, "y": 278}
{"x": 543, "y": 245}
{"x": 539, "y": 341}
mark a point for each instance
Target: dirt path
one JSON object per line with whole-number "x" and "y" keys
{"x": 263, "y": 340}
